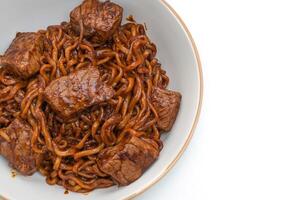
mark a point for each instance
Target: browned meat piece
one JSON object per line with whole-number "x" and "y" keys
{"x": 99, "y": 20}
{"x": 18, "y": 151}
{"x": 71, "y": 94}
{"x": 23, "y": 54}
{"x": 166, "y": 104}
{"x": 126, "y": 162}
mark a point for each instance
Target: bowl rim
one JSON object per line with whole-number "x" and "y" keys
{"x": 199, "y": 106}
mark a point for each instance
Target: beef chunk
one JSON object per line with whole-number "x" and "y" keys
{"x": 126, "y": 162}
{"x": 71, "y": 94}
{"x": 100, "y": 20}
{"x": 23, "y": 54}
{"x": 18, "y": 151}
{"x": 167, "y": 104}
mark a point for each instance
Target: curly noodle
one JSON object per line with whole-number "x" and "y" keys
{"x": 68, "y": 149}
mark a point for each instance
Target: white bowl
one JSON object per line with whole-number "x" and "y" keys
{"x": 176, "y": 52}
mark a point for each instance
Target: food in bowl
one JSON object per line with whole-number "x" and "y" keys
{"x": 84, "y": 103}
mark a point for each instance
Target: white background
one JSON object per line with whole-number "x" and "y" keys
{"x": 247, "y": 145}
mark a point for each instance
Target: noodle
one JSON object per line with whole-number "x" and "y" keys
{"x": 126, "y": 62}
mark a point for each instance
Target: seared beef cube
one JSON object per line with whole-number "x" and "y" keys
{"x": 126, "y": 162}
{"x": 166, "y": 104}
{"x": 23, "y": 54}
{"x": 99, "y": 20}
{"x": 18, "y": 151}
{"x": 71, "y": 94}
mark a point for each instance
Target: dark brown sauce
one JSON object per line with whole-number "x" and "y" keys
{"x": 13, "y": 174}
{"x": 130, "y": 18}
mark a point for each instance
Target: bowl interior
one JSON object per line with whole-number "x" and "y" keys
{"x": 176, "y": 54}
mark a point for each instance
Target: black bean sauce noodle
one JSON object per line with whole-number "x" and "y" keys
{"x": 68, "y": 149}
